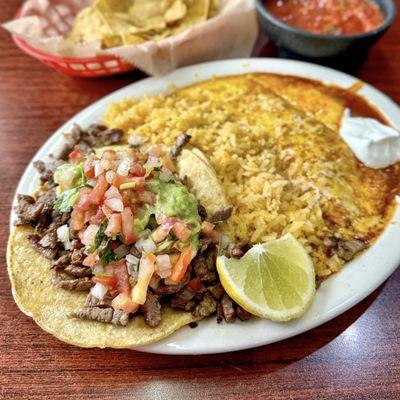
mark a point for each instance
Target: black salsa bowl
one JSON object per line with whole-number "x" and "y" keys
{"x": 344, "y": 52}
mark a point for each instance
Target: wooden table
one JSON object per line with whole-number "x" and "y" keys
{"x": 355, "y": 356}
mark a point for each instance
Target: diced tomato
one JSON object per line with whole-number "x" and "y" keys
{"x": 167, "y": 163}
{"x": 114, "y": 245}
{"x": 106, "y": 211}
{"x": 88, "y": 168}
{"x": 110, "y": 282}
{"x": 76, "y": 156}
{"x": 98, "y": 191}
{"x": 161, "y": 232}
{"x": 128, "y": 229}
{"x": 89, "y": 214}
{"x": 124, "y": 302}
{"x": 208, "y": 229}
{"x": 181, "y": 231}
{"x": 98, "y": 217}
{"x": 162, "y": 219}
{"x": 126, "y": 197}
{"x": 112, "y": 193}
{"x": 114, "y": 225}
{"x": 121, "y": 273}
{"x": 150, "y": 176}
{"x": 90, "y": 260}
{"x": 77, "y": 219}
{"x": 84, "y": 200}
{"x": 195, "y": 284}
{"x": 179, "y": 269}
{"x": 115, "y": 205}
{"x": 137, "y": 170}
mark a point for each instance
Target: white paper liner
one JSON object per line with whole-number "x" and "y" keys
{"x": 230, "y": 34}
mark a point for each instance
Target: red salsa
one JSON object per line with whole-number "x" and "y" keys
{"x": 335, "y": 17}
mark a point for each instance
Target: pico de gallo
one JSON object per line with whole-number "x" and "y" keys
{"x": 118, "y": 222}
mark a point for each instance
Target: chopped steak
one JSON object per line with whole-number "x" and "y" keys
{"x": 345, "y": 249}
{"x": 151, "y": 310}
{"x": 242, "y": 314}
{"x": 49, "y": 240}
{"x": 27, "y": 210}
{"x": 61, "y": 262}
{"x": 216, "y": 291}
{"x": 164, "y": 289}
{"x": 71, "y": 138}
{"x": 92, "y": 301}
{"x": 180, "y": 142}
{"x": 46, "y": 170}
{"x": 202, "y": 268}
{"x": 202, "y": 212}
{"x": 120, "y": 318}
{"x": 222, "y": 214}
{"x": 227, "y": 309}
{"x": 182, "y": 304}
{"x": 78, "y": 272}
{"x": 79, "y": 284}
{"x": 102, "y": 315}
{"x": 220, "y": 313}
{"x": 47, "y": 252}
{"x": 78, "y": 256}
{"x": 235, "y": 251}
{"x": 206, "y": 307}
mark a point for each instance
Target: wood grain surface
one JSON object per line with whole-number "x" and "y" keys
{"x": 355, "y": 356}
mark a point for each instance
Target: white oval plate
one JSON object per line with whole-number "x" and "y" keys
{"x": 336, "y": 295}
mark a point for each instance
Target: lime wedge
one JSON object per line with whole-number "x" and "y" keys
{"x": 274, "y": 280}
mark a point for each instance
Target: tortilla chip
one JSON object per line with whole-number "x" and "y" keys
{"x": 195, "y": 169}
{"x": 176, "y": 12}
{"x": 49, "y": 306}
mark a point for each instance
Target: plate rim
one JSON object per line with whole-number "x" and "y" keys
{"x": 200, "y": 72}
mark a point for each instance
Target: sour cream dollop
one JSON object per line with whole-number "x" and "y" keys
{"x": 374, "y": 144}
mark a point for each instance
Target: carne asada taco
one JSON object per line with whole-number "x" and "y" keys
{"x": 117, "y": 247}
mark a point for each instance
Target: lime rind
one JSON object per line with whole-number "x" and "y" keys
{"x": 274, "y": 280}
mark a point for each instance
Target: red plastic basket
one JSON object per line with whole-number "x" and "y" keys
{"x": 91, "y": 67}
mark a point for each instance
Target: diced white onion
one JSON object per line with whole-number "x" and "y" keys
{"x": 112, "y": 193}
{"x": 124, "y": 166}
{"x": 63, "y": 236}
{"x": 165, "y": 175}
{"x": 137, "y": 140}
{"x": 163, "y": 266}
{"x": 110, "y": 175}
{"x": 144, "y": 234}
{"x": 98, "y": 291}
{"x": 89, "y": 234}
{"x": 114, "y": 204}
{"x": 130, "y": 259}
{"x": 98, "y": 269}
{"x": 146, "y": 245}
{"x": 223, "y": 241}
{"x": 132, "y": 265}
{"x": 98, "y": 169}
{"x": 153, "y": 162}
{"x": 120, "y": 154}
